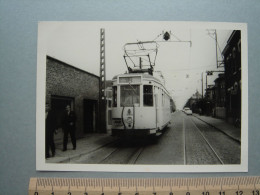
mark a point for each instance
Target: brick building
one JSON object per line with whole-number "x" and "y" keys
{"x": 210, "y": 92}
{"x": 209, "y": 101}
{"x": 220, "y": 99}
{"x": 232, "y": 62}
{"x": 65, "y": 85}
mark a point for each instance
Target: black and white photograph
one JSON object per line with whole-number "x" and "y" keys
{"x": 142, "y": 96}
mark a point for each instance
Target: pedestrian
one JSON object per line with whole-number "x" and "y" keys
{"x": 50, "y": 128}
{"x": 69, "y": 127}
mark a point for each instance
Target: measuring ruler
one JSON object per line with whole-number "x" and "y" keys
{"x": 145, "y": 186}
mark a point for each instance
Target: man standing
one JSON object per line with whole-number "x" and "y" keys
{"x": 69, "y": 127}
{"x": 50, "y": 126}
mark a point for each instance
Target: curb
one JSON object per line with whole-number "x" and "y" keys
{"x": 235, "y": 139}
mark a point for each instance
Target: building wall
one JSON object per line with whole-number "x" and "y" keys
{"x": 220, "y": 112}
{"x": 66, "y": 81}
{"x": 220, "y": 91}
{"x": 232, "y": 61}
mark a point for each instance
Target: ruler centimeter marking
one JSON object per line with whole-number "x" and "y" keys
{"x": 249, "y": 185}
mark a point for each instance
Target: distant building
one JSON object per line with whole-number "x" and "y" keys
{"x": 210, "y": 93}
{"x": 232, "y": 63}
{"x": 66, "y": 84}
{"x": 194, "y": 103}
{"x": 196, "y": 96}
{"x": 209, "y": 101}
{"x": 220, "y": 97}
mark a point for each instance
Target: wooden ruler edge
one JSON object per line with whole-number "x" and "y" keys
{"x": 104, "y": 182}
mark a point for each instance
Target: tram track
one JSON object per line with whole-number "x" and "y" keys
{"x": 135, "y": 155}
{"x": 224, "y": 144}
{"x": 208, "y": 143}
{"x": 189, "y": 141}
{"x": 123, "y": 155}
{"x": 114, "y": 152}
{"x": 197, "y": 149}
{"x": 225, "y": 133}
{"x": 204, "y": 144}
{"x": 88, "y": 155}
{"x": 107, "y": 156}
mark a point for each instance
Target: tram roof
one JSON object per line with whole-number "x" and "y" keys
{"x": 147, "y": 76}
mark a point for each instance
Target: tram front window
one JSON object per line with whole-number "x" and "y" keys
{"x": 130, "y": 95}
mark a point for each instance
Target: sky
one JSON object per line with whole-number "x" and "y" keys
{"x": 183, "y": 60}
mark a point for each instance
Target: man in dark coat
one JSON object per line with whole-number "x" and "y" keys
{"x": 50, "y": 126}
{"x": 69, "y": 127}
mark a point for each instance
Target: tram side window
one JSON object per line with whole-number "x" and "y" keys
{"x": 115, "y": 96}
{"x": 148, "y": 95}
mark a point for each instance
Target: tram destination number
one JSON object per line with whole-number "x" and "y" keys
{"x": 238, "y": 192}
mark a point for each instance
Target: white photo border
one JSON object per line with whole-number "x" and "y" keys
{"x": 41, "y": 165}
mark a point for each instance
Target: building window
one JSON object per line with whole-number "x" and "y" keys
{"x": 148, "y": 95}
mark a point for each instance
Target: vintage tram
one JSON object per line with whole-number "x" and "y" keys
{"x": 141, "y": 105}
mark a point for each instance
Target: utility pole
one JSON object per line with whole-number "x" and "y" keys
{"x": 102, "y": 84}
{"x": 202, "y": 85}
{"x": 213, "y": 35}
{"x": 216, "y": 38}
{"x": 206, "y": 82}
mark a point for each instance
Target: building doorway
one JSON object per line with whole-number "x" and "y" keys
{"x": 90, "y": 116}
{"x": 58, "y": 105}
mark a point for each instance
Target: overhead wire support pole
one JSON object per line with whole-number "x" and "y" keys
{"x": 102, "y": 65}
{"x": 216, "y": 38}
{"x": 102, "y": 83}
{"x": 202, "y": 85}
{"x": 206, "y": 82}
